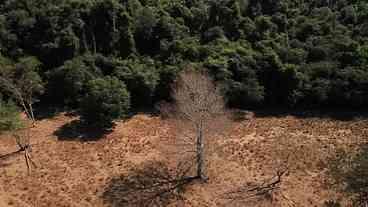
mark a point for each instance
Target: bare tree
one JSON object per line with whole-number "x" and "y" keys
{"x": 24, "y": 144}
{"x": 22, "y": 139}
{"x": 200, "y": 109}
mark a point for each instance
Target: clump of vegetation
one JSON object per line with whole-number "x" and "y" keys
{"x": 22, "y": 82}
{"x": 9, "y": 116}
{"x": 350, "y": 173}
{"x": 106, "y": 99}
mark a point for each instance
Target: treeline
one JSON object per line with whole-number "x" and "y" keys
{"x": 263, "y": 52}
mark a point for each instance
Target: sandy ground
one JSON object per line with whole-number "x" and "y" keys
{"x": 80, "y": 169}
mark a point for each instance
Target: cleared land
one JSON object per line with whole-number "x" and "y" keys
{"x": 78, "y": 168}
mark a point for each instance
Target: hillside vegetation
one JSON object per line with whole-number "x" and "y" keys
{"x": 288, "y": 52}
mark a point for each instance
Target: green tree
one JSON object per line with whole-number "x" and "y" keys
{"x": 141, "y": 77}
{"x": 106, "y": 99}
{"x": 22, "y": 82}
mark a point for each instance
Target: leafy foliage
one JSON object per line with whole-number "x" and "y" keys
{"x": 9, "y": 116}
{"x": 270, "y": 53}
{"x": 68, "y": 82}
{"x": 106, "y": 99}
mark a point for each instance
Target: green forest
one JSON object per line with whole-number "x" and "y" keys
{"x": 264, "y": 53}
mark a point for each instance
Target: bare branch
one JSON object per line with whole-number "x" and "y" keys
{"x": 198, "y": 114}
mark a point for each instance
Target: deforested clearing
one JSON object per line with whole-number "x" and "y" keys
{"x": 76, "y": 169}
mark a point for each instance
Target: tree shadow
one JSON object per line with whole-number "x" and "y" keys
{"x": 331, "y": 113}
{"x": 239, "y": 115}
{"x": 5, "y": 158}
{"x": 47, "y": 112}
{"x": 77, "y": 131}
{"x": 152, "y": 185}
{"x": 4, "y": 164}
{"x": 11, "y": 154}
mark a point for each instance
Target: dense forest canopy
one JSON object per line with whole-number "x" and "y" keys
{"x": 263, "y": 52}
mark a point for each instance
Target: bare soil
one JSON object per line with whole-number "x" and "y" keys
{"x": 77, "y": 168}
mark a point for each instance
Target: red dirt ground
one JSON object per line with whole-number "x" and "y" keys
{"x": 74, "y": 173}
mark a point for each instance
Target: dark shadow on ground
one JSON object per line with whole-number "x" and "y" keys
{"x": 152, "y": 111}
{"x": 3, "y": 164}
{"x": 47, "y": 112}
{"x": 11, "y": 154}
{"x": 151, "y": 185}
{"x": 76, "y": 131}
{"x": 333, "y": 113}
{"x": 4, "y": 158}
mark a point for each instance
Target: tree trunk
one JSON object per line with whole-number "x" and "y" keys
{"x": 32, "y": 115}
{"x": 200, "y": 155}
{"x": 94, "y": 42}
{"x": 114, "y": 21}
{"x": 85, "y": 44}
{"x": 28, "y": 114}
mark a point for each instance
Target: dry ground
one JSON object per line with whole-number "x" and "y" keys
{"x": 78, "y": 172}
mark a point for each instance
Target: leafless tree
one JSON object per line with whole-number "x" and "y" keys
{"x": 22, "y": 140}
{"x": 199, "y": 108}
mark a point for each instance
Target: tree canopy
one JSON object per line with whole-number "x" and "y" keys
{"x": 270, "y": 53}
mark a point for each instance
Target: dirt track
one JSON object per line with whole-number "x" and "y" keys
{"x": 77, "y": 173}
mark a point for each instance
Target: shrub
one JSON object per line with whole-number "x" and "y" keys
{"x": 9, "y": 116}
{"x": 350, "y": 173}
{"x": 356, "y": 177}
{"x": 106, "y": 99}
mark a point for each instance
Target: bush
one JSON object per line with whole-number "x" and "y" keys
{"x": 350, "y": 173}
{"x": 9, "y": 116}
{"x": 356, "y": 177}
{"x": 106, "y": 99}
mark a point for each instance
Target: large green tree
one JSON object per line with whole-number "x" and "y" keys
{"x": 106, "y": 99}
